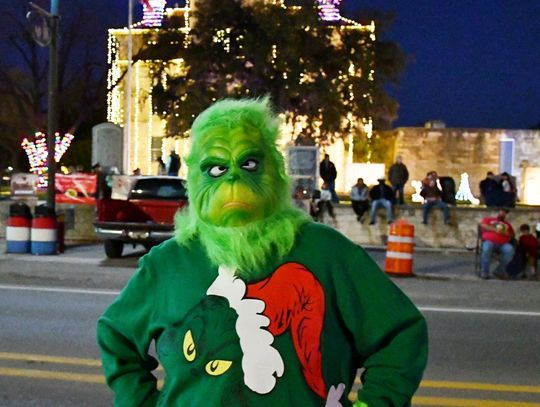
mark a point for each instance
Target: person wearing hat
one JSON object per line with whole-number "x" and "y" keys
{"x": 381, "y": 195}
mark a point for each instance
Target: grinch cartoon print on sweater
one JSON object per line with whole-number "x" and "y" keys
{"x": 236, "y": 345}
{"x": 290, "y": 299}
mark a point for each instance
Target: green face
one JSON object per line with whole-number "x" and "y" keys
{"x": 234, "y": 181}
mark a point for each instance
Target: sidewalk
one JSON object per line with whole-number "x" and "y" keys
{"x": 443, "y": 264}
{"x": 427, "y": 263}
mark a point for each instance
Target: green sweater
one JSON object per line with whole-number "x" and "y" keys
{"x": 296, "y": 338}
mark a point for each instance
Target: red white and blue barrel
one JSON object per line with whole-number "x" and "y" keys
{"x": 43, "y": 234}
{"x": 18, "y": 234}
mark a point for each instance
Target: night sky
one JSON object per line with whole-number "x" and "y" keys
{"x": 473, "y": 63}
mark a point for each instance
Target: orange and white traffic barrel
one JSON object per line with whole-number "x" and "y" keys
{"x": 18, "y": 228}
{"x": 399, "y": 251}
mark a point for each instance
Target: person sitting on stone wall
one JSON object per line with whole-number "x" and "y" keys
{"x": 433, "y": 197}
{"x": 381, "y": 195}
{"x": 360, "y": 199}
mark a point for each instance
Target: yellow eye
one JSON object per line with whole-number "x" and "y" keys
{"x": 189, "y": 347}
{"x": 217, "y": 367}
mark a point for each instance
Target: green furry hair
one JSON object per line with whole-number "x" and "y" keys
{"x": 249, "y": 247}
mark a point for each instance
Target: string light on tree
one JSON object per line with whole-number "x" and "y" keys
{"x": 464, "y": 191}
{"x": 36, "y": 150}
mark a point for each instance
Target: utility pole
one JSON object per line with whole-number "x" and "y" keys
{"x": 45, "y": 33}
{"x": 52, "y": 115}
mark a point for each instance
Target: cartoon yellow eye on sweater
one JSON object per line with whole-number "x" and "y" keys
{"x": 214, "y": 367}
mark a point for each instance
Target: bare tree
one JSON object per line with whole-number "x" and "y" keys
{"x": 23, "y": 74}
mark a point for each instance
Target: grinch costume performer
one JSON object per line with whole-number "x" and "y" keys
{"x": 252, "y": 304}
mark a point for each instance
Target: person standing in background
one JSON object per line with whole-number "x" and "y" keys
{"x": 328, "y": 173}
{"x": 174, "y": 164}
{"x": 490, "y": 190}
{"x": 398, "y": 176}
{"x": 162, "y": 168}
{"x": 508, "y": 190}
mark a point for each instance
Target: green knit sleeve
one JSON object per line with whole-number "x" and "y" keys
{"x": 124, "y": 336}
{"x": 389, "y": 332}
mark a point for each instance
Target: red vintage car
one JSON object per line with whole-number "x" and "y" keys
{"x": 140, "y": 211}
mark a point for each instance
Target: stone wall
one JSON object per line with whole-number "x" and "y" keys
{"x": 450, "y": 152}
{"x": 461, "y": 235}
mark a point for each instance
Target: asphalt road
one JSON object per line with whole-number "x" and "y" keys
{"x": 484, "y": 335}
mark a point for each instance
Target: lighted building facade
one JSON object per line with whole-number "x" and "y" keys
{"x": 146, "y": 142}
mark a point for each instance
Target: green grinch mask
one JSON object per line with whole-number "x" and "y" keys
{"x": 240, "y": 206}
{"x": 235, "y": 178}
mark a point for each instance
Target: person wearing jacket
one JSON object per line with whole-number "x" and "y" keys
{"x": 381, "y": 196}
{"x": 398, "y": 176}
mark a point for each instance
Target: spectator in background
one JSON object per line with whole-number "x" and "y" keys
{"x": 496, "y": 235}
{"x": 162, "y": 168}
{"x": 398, "y": 176}
{"x": 299, "y": 198}
{"x": 433, "y": 197}
{"x": 328, "y": 173}
{"x": 523, "y": 263}
{"x": 508, "y": 190}
{"x": 529, "y": 244}
{"x": 137, "y": 172}
{"x": 174, "y": 164}
{"x": 102, "y": 190}
{"x": 490, "y": 190}
{"x": 360, "y": 199}
{"x": 325, "y": 205}
{"x": 381, "y": 195}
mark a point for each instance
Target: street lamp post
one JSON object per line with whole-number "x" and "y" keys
{"x": 52, "y": 114}
{"x": 46, "y": 34}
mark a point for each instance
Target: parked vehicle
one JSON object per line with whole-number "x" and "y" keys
{"x": 140, "y": 211}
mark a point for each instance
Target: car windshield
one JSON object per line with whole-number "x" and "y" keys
{"x": 159, "y": 188}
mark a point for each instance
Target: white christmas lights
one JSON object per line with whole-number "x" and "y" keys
{"x": 37, "y": 152}
{"x": 464, "y": 192}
